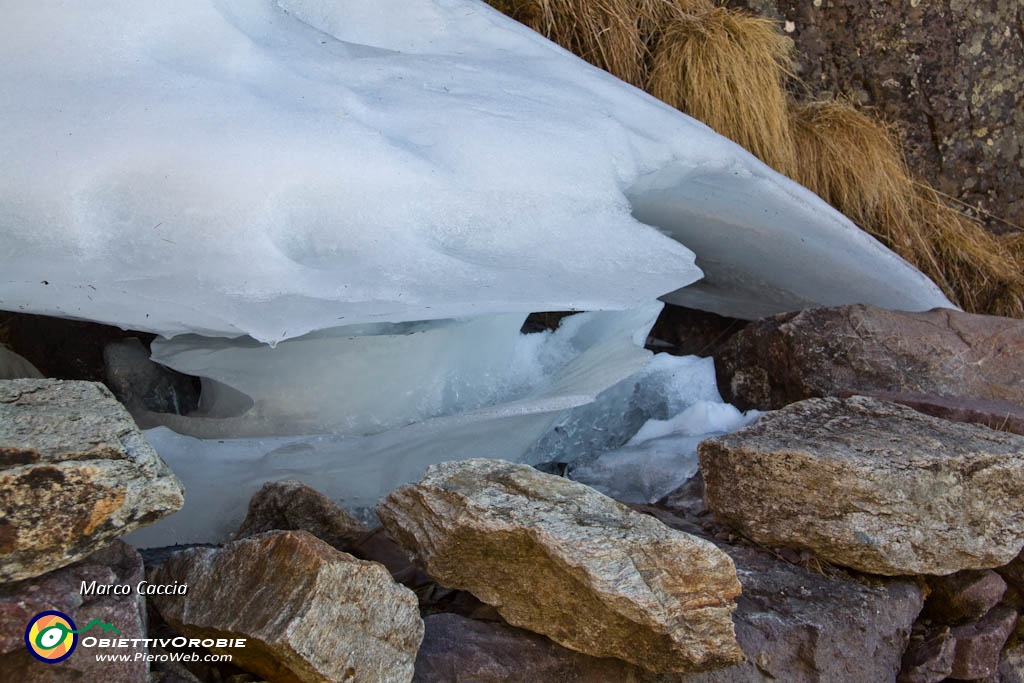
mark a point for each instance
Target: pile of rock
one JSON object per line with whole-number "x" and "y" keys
{"x": 850, "y": 534}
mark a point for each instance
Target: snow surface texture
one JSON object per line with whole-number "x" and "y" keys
{"x": 561, "y": 370}
{"x": 238, "y": 167}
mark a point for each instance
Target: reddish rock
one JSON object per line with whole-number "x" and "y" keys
{"x": 60, "y": 590}
{"x": 979, "y": 643}
{"x": 308, "y": 612}
{"x": 929, "y": 658}
{"x": 823, "y": 351}
{"x": 292, "y": 506}
{"x": 459, "y": 649}
{"x": 962, "y": 596}
{"x": 1000, "y": 415}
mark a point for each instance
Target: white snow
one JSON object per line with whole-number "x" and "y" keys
{"x": 276, "y": 168}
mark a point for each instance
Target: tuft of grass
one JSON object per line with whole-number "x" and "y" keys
{"x": 614, "y": 35}
{"x": 728, "y": 69}
{"x": 854, "y": 162}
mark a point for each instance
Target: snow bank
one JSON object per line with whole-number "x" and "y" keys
{"x": 271, "y": 169}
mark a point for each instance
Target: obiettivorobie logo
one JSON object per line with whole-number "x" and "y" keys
{"x": 51, "y": 636}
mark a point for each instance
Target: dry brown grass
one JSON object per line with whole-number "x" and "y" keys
{"x": 615, "y": 35}
{"x": 854, "y": 162}
{"x": 728, "y": 70}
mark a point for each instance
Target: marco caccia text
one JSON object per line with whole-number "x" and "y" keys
{"x": 141, "y": 588}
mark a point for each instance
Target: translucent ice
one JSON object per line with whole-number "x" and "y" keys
{"x": 661, "y": 456}
{"x": 267, "y": 168}
{"x": 560, "y": 370}
{"x": 667, "y": 386}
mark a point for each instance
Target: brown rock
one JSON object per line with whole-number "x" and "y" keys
{"x": 61, "y": 590}
{"x": 963, "y": 596}
{"x": 75, "y": 473}
{"x": 870, "y": 485}
{"x": 803, "y": 626}
{"x": 292, "y": 506}
{"x": 794, "y": 625}
{"x": 459, "y": 649}
{"x": 929, "y": 658}
{"x": 1000, "y": 415}
{"x": 561, "y": 559}
{"x": 822, "y": 351}
{"x": 307, "y": 611}
{"x": 1011, "y": 665}
{"x": 979, "y": 643}
{"x": 949, "y": 73}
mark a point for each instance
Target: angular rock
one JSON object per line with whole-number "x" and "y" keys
{"x": 822, "y": 351}
{"x": 979, "y": 643}
{"x": 292, "y": 506}
{"x": 75, "y": 473}
{"x": 560, "y": 559}
{"x": 963, "y": 596}
{"x": 61, "y": 590}
{"x": 870, "y": 485}
{"x": 307, "y": 611}
{"x": 13, "y": 366}
{"x": 1003, "y": 416}
{"x": 929, "y": 658}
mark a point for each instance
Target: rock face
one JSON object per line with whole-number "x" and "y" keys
{"x": 948, "y": 72}
{"x": 75, "y": 473}
{"x": 308, "y": 611}
{"x": 822, "y": 351}
{"x": 870, "y": 485}
{"x": 291, "y": 505}
{"x": 143, "y": 385}
{"x": 61, "y": 590}
{"x": 558, "y": 558}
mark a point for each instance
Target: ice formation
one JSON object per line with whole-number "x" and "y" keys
{"x": 276, "y": 168}
{"x": 551, "y": 373}
{"x": 382, "y": 191}
{"x": 660, "y": 457}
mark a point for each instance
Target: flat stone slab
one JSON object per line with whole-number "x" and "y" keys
{"x": 871, "y": 485}
{"x": 75, "y": 473}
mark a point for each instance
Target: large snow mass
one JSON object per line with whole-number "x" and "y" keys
{"x": 338, "y": 213}
{"x": 231, "y": 167}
